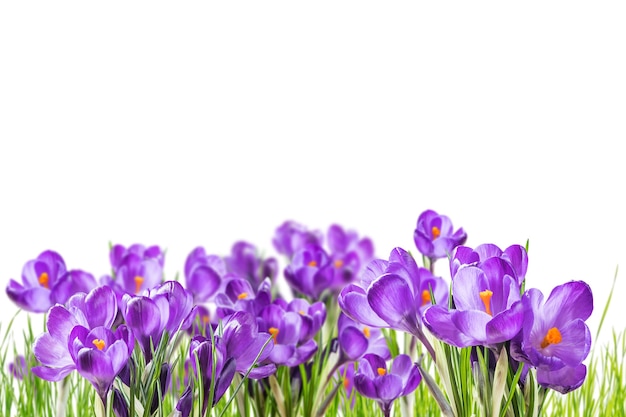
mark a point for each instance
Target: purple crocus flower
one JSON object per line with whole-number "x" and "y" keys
{"x": 555, "y": 338}
{"x": 100, "y": 354}
{"x": 290, "y": 237}
{"x": 515, "y": 255}
{"x": 435, "y": 237}
{"x": 169, "y": 307}
{"x": 119, "y": 252}
{"x": 348, "y": 253}
{"x": 46, "y": 281}
{"x": 291, "y": 332}
{"x": 239, "y": 295}
{"x": 203, "y": 274}
{"x": 310, "y": 271}
{"x": 95, "y": 309}
{"x": 356, "y": 340}
{"x": 135, "y": 275}
{"x": 213, "y": 361}
{"x": 243, "y": 342}
{"x": 18, "y": 368}
{"x": 488, "y": 307}
{"x": 397, "y": 294}
{"x": 244, "y": 261}
{"x": 374, "y": 380}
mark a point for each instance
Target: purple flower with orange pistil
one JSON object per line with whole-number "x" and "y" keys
{"x": 244, "y": 261}
{"x": 515, "y": 255}
{"x": 487, "y": 310}
{"x": 46, "y": 281}
{"x": 119, "y": 252}
{"x": 239, "y": 295}
{"x": 96, "y": 309}
{"x": 204, "y": 274}
{"x": 100, "y": 354}
{"x": 310, "y": 271}
{"x": 290, "y": 237}
{"x": 374, "y": 380}
{"x": 555, "y": 338}
{"x": 356, "y": 340}
{"x": 397, "y": 294}
{"x": 348, "y": 253}
{"x": 135, "y": 275}
{"x": 435, "y": 236}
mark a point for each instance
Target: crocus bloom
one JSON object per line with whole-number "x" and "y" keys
{"x": 203, "y": 274}
{"x": 169, "y": 307}
{"x": 239, "y": 295}
{"x": 356, "y": 340}
{"x": 243, "y": 342}
{"x": 291, "y": 237}
{"x": 488, "y": 307}
{"x": 98, "y": 308}
{"x": 348, "y": 253}
{"x": 515, "y": 255}
{"x": 310, "y": 271}
{"x": 435, "y": 237}
{"x": 18, "y": 368}
{"x": 100, "y": 354}
{"x": 135, "y": 275}
{"x": 554, "y": 337}
{"x": 374, "y": 380}
{"x": 46, "y": 281}
{"x": 397, "y": 297}
{"x": 119, "y": 252}
{"x": 245, "y": 262}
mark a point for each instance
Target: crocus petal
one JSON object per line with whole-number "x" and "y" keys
{"x": 506, "y": 325}
{"x": 563, "y": 380}
{"x": 473, "y": 324}
{"x": 353, "y": 342}
{"x": 466, "y": 287}
{"x": 353, "y": 302}
{"x": 570, "y": 301}
{"x": 388, "y": 387}
{"x": 391, "y": 299}
{"x": 203, "y": 282}
{"x": 52, "y": 352}
{"x": 439, "y": 322}
{"x": 35, "y": 299}
{"x": 53, "y": 374}
{"x": 365, "y": 386}
{"x": 575, "y": 344}
{"x": 101, "y": 307}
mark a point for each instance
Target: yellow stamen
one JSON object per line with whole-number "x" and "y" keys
{"x": 138, "y": 282}
{"x": 381, "y": 371}
{"x": 553, "y": 337}
{"x": 99, "y": 343}
{"x": 426, "y": 297}
{"x": 366, "y": 331}
{"x": 312, "y": 263}
{"x": 43, "y": 280}
{"x": 242, "y": 296}
{"x": 274, "y": 332}
{"x": 338, "y": 263}
{"x": 302, "y": 313}
{"x": 486, "y": 297}
{"x": 436, "y": 232}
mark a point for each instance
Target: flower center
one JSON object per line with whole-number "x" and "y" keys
{"x": 338, "y": 263}
{"x": 138, "y": 282}
{"x": 426, "y": 297}
{"x": 381, "y": 371}
{"x": 435, "y": 232}
{"x": 312, "y": 263}
{"x": 242, "y": 296}
{"x": 366, "y": 331}
{"x": 274, "y": 332}
{"x": 43, "y": 280}
{"x": 486, "y": 297}
{"x": 99, "y": 343}
{"x": 346, "y": 382}
{"x": 206, "y": 319}
{"x": 301, "y": 312}
{"x": 553, "y": 337}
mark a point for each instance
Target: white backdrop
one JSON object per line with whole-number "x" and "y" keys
{"x": 194, "y": 124}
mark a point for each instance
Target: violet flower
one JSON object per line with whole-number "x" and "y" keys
{"x": 100, "y": 354}
{"x": 168, "y": 307}
{"x": 397, "y": 294}
{"x": 435, "y": 236}
{"x": 135, "y": 275}
{"x": 290, "y": 237}
{"x": 356, "y": 340}
{"x": 244, "y": 261}
{"x": 203, "y": 274}
{"x": 514, "y": 255}
{"x": 310, "y": 271}
{"x": 19, "y": 367}
{"x": 348, "y": 253}
{"x": 374, "y": 380}
{"x": 555, "y": 338}
{"x": 243, "y": 342}
{"x": 488, "y": 307}
{"x": 119, "y": 252}
{"x": 46, "y": 281}
{"x": 96, "y": 309}
{"x": 239, "y": 295}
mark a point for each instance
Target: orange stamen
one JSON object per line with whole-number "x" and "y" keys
{"x": 338, "y": 263}
{"x": 242, "y": 296}
{"x": 138, "y": 282}
{"x": 99, "y": 343}
{"x": 274, "y": 332}
{"x": 553, "y": 337}
{"x": 426, "y": 297}
{"x": 43, "y": 280}
{"x": 486, "y": 297}
{"x": 381, "y": 371}
{"x": 436, "y": 232}
{"x": 206, "y": 320}
{"x": 366, "y": 331}
{"x": 312, "y": 263}
{"x": 345, "y": 383}
{"x": 302, "y": 313}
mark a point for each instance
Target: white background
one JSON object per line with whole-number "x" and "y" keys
{"x": 186, "y": 124}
